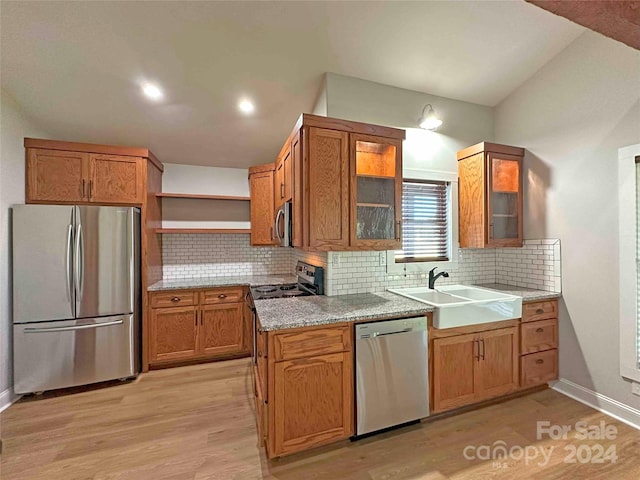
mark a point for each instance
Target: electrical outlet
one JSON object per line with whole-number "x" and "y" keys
{"x": 635, "y": 388}
{"x": 336, "y": 259}
{"x": 383, "y": 259}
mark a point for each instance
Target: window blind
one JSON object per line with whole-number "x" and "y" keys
{"x": 424, "y": 222}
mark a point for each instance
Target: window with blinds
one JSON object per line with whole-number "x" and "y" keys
{"x": 425, "y": 228}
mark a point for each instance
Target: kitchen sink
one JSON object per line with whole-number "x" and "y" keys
{"x": 460, "y": 305}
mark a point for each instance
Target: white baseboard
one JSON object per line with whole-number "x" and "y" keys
{"x": 602, "y": 403}
{"x": 7, "y": 398}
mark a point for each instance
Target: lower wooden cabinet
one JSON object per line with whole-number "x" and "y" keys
{"x": 473, "y": 367}
{"x": 200, "y": 331}
{"x": 308, "y": 400}
{"x": 539, "y": 343}
{"x": 174, "y": 334}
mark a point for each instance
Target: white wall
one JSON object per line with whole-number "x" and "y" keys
{"x": 572, "y": 116}
{"x": 14, "y": 126}
{"x": 464, "y": 123}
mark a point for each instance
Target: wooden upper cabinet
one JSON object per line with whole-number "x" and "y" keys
{"x": 261, "y": 184}
{"x": 296, "y": 188}
{"x": 283, "y": 179}
{"x": 59, "y": 176}
{"x": 328, "y": 192}
{"x": 278, "y": 185}
{"x": 116, "y": 179}
{"x": 490, "y": 190}
{"x": 376, "y": 192}
{"x": 56, "y": 176}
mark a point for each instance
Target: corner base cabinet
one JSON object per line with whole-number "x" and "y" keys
{"x": 304, "y": 387}
{"x": 197, "y": 325}
{"x": 490, "y": 196}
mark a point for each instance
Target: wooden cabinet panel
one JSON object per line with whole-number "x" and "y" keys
{"x": 221, "y": 329}
{"x": 222, "y": 295}
{"x": 56, "y": 176}
{"x": 375, "y": 192}
{"x": 313, "y": 402}
{"x": 287, "y": 174}
{"x": 278, "y": 185}
{"x": 116, "y": 179}
{"x": 454, "y": 364}
{"x": 490, "y": 196}
{"x": 538, "y": 336}
{"x": 328, "y": 192}
{"x": 296, "y": 189}
{"x": 173, "y": 334}
{"x": 471, "y": 202}
{"x": 497, "y": 370}
{"x": 262, "y": 362}
{"x": 298, "y": 344}
{"x": 180, "y": 298}
{"x": 262, "y": 207}
{"x": 538, "y": 368}
{"x": 539, "y": 310}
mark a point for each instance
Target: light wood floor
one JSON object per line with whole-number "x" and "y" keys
{"x": 197, "y": 423}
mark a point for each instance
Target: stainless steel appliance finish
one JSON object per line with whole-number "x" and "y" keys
{"x": 52, "y": 355}
{"x": 310, "y": 282}
{"x": 392, "y": 373}
{"x": 283, "y": 227}
{"x": 75, "y": 269}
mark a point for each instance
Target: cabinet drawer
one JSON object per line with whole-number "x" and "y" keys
{"x": 180, "y": 298}
{"x": 222, "y": 295}
{"x": 288, "y": 346}
{"x": 538, "y": 368}
{"x": 538, "y": 336}
{"x": 539, "y": 310}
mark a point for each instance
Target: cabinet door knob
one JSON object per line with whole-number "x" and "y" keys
{"x": 539, "y": 361}
{"x": 175, "y": 299}
{"x": 539, "y": 310}
{"x": 222, "y": 295}
{"x": 539, "y": 330}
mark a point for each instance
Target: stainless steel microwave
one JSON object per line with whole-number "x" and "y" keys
{"x": 282, "y": 225}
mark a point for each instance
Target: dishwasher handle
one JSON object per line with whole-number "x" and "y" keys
{"x": 378, "y": 334}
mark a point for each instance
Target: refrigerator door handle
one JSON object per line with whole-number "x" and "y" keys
{"x": 74, "y": 327}
{"x": 68, "y": 263}
{"x": 79, "y": 264}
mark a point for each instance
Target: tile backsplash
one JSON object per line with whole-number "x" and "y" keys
{"x": 216, "y": 255}
{"x": 536, "y": 265}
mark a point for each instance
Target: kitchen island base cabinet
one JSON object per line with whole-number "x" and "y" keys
{"x": 304, "y": 387}
{"x": 474, "y": 367}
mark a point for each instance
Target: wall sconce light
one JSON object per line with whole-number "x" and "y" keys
{"x": 429, "y": 120}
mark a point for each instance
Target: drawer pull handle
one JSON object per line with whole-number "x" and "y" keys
{"x": 539, "y": 330}
{"x": 540, "y": 310}
{"x": 222, "y": 295}
{"x": 175, "y": 299}
{"x": 539, "y": 361}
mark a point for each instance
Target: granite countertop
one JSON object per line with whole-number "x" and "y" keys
{"x": 250, "y": 280}
{"x": 283, "y": 313}
{"x": 527, "y": 294}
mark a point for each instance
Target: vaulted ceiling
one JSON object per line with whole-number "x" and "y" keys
{"x": 76, "y": 67}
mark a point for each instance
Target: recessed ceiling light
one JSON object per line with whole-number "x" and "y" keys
{"x": 152, "y": 91}
{"x": 246, "y": 106}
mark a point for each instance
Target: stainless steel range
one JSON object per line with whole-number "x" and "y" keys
{"x": 310, "y": 282}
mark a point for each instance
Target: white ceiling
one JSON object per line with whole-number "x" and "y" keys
{"x": 75, "y": 67}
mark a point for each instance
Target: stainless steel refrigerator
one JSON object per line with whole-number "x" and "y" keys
{"x": 76, "y": 295}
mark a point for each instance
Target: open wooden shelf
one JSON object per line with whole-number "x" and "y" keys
{"x": 203, "y": 230}
{"x": 201, "y": 196}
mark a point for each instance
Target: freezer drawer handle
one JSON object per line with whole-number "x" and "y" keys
{"x": 75, "y": 327}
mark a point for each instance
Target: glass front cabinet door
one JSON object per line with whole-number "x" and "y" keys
{"x": 504, "y": 208}
{"x": 376, "y": 192}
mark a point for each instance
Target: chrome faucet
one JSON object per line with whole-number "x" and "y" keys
{"x": 433, "y": 277}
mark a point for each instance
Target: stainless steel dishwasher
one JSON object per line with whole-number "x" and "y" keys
{"x": 392, "y": 373}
